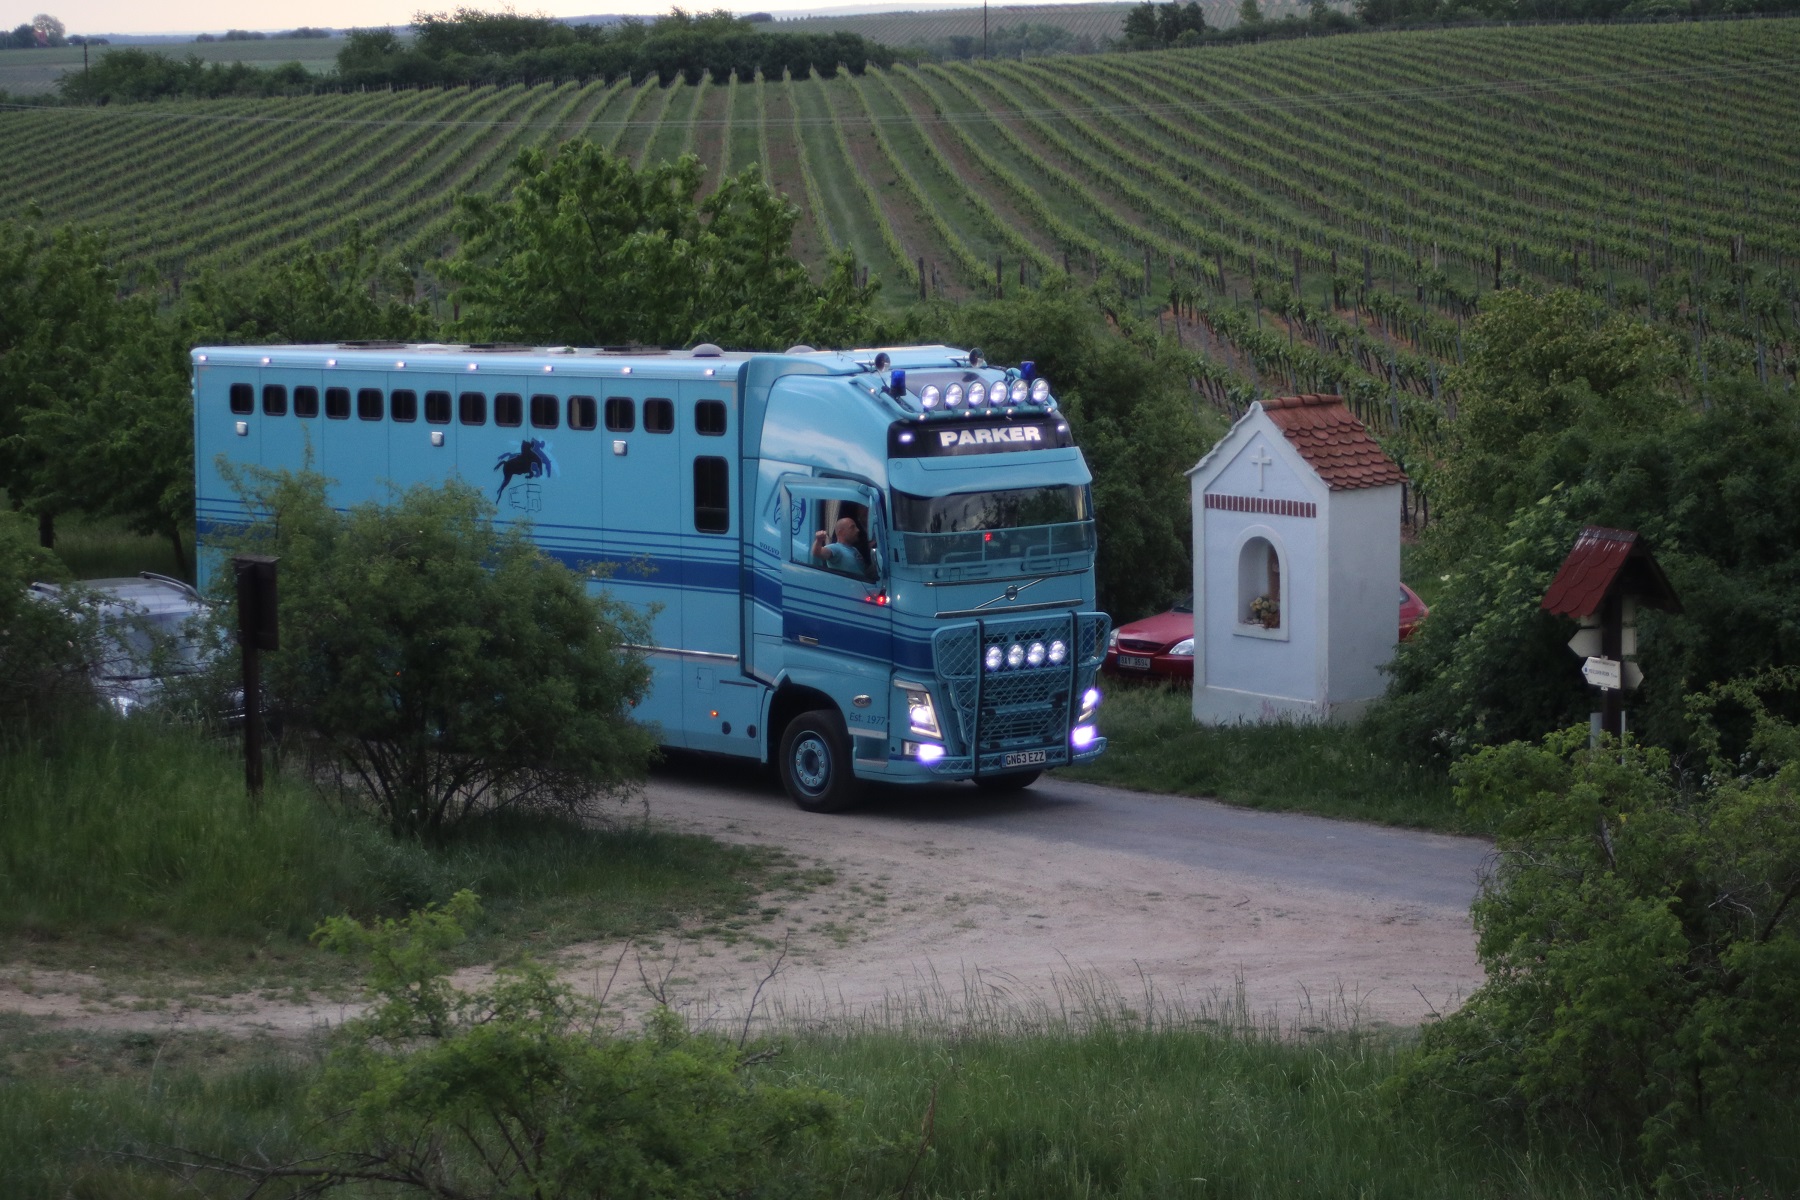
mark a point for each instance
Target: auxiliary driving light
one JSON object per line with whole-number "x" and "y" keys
{"x": 1015, "y": 654}
{"x": 1058, "y": 652}
{"x": 1082, "y": 736}
{"x": 993, "y": 658}
{"x": 1035, "y": 655}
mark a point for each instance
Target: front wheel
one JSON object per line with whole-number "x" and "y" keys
{"x": 815, "y": 762}
{"x": 1018, "y": 781}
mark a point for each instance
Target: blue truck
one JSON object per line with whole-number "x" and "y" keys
{"x": 859, "y": 565}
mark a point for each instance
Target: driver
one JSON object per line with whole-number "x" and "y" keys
{"x": 844, "y": 552}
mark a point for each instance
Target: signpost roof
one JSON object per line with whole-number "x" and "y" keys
{"x": 1605, "y": 560}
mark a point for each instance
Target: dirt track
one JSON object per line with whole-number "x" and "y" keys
{"x": 1063, "y": 896}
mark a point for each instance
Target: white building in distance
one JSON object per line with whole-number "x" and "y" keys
{"x": 1296, "y": 565}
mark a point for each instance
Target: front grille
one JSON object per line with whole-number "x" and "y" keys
{"x": 1140, "y": 646}
{"x": 1016, "y": 707}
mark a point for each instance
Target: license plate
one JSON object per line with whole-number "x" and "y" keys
{"x": 1133, "y": 663}
{"x": 1023, "y": 758}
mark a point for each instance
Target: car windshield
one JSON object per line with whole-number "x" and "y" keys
{"x": 973, "y": 527}
{"x": 1186, "y": 604}
{"x": 149, "y": 644}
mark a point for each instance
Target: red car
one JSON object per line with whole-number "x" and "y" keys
{"x": 1162, "y": 647}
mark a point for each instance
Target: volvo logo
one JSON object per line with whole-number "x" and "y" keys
{"x": 1012, "y": 591}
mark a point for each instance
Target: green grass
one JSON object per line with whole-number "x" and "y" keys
{"x": 1154, "y": 745}
{"x": 130, "y": 846}
{"x": 1118, "y": 1105}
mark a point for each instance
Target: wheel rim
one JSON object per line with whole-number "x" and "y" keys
{"x": 812, "y": 764}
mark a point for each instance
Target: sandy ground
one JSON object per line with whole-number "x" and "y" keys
{"x": 934, "y": 920}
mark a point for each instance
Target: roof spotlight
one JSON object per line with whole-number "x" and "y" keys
{"x": 977, "y": 395}
{"x": 1040, "y": 391}
{"x": 1021, "y": 392}
{"x": 928, "y": 399}
{"x": 953, "y": 395}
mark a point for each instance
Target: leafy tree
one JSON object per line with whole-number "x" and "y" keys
{"x": 1641, "y": 942}
{"x": 440, "y": 664}
{"x": 1249, "y": 13}
{"x": 42, "y": 648}
{"x": 345, "y": 292}
{"x": 1569, "y": 420}
{"x": 48, "y": 28}
{"x": 579, "y": 248}
{"x": 517, "y": 1090}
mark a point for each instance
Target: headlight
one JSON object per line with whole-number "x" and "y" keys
{"x": 930, "y": 396}
{"x": 921, "y": 717}
{"x": 953, "y": 396}
{"x": 1040, "y": 391}
{"x": 1021, "y": 392}
{"x": 1112, "y": 640}
{"x": 1185, "y": 648}
{"x": 122, "y": 703}
{"x": 977, "y": 395}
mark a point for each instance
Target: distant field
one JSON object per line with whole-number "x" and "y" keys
{"x": 29, "y": 72}
{"x": 1317, "y": 214}
{"x": 1098, "y": 23}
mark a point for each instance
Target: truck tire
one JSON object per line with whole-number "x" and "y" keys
{"x": 815, "y": 762}
{"x": 1018, "y": 781}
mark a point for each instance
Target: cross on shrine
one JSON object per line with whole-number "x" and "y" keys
{"x": 1262, "y": 461}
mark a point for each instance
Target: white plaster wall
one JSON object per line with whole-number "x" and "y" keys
{"x": 1240, "y": 675}
{"x": 1363, "y": 591}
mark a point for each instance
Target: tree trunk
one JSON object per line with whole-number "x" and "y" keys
{"x": 182, "y": 566}
{"x": 47, "y": 530}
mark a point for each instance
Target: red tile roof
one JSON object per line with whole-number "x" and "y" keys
{"x": 1601, "y": 559}
{"x": 1333, "y": 443}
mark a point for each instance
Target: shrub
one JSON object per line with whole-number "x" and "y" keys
{"x": 513, "y": 1090}
{"x": 1641, "y": 941}
{"x": 440, "y": 665}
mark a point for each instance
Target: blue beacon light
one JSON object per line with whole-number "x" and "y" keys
{"x": 897, "y": 384}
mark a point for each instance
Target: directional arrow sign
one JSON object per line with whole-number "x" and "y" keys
{"x": 1602, "y": 672}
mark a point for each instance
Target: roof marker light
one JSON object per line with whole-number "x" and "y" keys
{"x": 331, "y": 362}
{"x": 625, "y": 370}
{"x": 548, "y": 368}
{"x": 265, "y": 360}
{"x": 401, "y": 365}
{"x": 708, "y": 371}
{"x": 201, "y": 357}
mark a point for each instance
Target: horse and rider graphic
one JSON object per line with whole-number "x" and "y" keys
{"x": 532, "y": 461}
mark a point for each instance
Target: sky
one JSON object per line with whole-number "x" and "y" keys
{"x": 216, "y": 16}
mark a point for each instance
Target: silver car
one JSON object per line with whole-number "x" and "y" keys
{"x": 148, "y": 632}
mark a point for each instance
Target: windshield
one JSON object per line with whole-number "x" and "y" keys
{"x": 973, "y": 527}
{"x": 968, "y": 512}
{"x": 146, "y": 645}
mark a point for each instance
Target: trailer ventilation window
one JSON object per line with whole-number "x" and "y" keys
{"x": 473, "y": 408}
{"x": 306, "y": 402}
{"x": 509, "y": 409}
{"x": 709, "y": 418}
{"x": 369, "y": 403}
{"x": 403, "y": 405}
{"x": 621, "y": 414}
{"x": 659, "y": 416}
{"x": 544, "y": 411}
{"x": 712, "y": 495}
{"x": 581, "y": 412}
{"x": 274, "y": 400}
{"x": 243, "y": 398}
{"x": 337, "y": 403}
{"x": 437, "y": 408}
